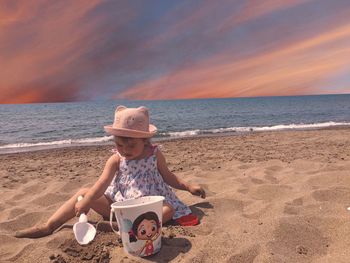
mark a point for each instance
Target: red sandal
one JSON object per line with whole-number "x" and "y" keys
{"x": 188, "y": 220}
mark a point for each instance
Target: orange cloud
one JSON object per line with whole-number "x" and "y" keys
{"x": 40, "y": 91}
{"x": 49, "y": 48}
{"x": 290, "y": 70}
{"x": 46, "y": 45}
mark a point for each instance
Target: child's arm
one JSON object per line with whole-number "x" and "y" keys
{"x": 174, "y": 181}
{"x": 98, "y": 189}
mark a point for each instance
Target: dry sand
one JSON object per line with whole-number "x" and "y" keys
{"x": 271, "y": 197}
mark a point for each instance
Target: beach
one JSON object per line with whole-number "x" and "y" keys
{"x": 278, "y": 196}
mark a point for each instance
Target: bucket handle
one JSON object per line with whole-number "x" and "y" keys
{"x": 110, "y": 222}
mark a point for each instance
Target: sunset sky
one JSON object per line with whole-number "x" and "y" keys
{"x": 78, "y": 50}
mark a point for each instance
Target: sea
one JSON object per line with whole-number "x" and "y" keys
{"x": 29, "y": 127}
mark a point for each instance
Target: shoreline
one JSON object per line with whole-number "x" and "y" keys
{"x": 160, "y": 139}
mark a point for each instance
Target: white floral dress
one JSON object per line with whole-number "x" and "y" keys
{"x": 137, "y": 178}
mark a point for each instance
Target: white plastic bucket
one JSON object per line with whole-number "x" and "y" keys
{"x": 140, "y": 224}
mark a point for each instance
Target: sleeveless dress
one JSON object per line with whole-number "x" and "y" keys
{"x": 137, "y": 178}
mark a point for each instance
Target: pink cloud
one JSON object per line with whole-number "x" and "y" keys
{"x": 48, "y": 44}
{"x": 296, "y": 68}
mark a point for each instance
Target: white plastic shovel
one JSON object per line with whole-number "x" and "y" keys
{"x": 84, "y": 232}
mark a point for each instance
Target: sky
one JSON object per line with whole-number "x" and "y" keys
{"x": 78, "y": 50}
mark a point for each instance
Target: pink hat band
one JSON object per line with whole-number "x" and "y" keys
{"x": 131, "y": 122}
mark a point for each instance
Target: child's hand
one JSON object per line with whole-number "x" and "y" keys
{"x": 196, "y": 190}
{"x": 83, "y": 206}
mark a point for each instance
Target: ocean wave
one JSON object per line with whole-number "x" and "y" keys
{"x": 20, "y": 147}
{"x": 58, "y": 143}
{"x": 280, "y": 127}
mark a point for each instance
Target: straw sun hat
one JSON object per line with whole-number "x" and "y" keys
{"x": 131, "y": 122}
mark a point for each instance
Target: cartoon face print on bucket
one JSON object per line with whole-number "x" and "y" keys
{"x": 146, "y": 227}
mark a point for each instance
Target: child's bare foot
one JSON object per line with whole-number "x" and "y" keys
{"x": 34, "y": 232}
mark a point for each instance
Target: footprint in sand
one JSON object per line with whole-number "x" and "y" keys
{"x": 70, "y": 187}
{"x": 50, "y": 199}
{"x": 270, "y": 192}
{"x": 21, "y": 222}
{"x": 244, "y": 167}
{"x": 256, "y": 180}
{"x": 298, "y": 201}
{"x": 334, "y": 194}
{"x": 243, "y": 190}
{"x": 223, "y": 205}
{"x": 295, "y": 238}
{"x": 12, "y": 250}
{"x": 18, "y": 197}
{"x": 256, "y": 209}
{"x": 271, "y": 179}
{"x": 270, "y": 171}
{"x": 37, "y": 187}
{"x": 273, "y": 169}
{"x": 15, "y": 212}
{"x": 329, "y": 179}
{"x": 246, "y": 256}
{"x": 225, "y": 208}
{"x": 292, "y": 208}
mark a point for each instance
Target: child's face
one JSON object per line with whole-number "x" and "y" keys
{"x": 147, "y": 229}
{"x": 130, "y": 148}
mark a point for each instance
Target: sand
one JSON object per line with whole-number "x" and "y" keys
{"x": 271, "y": 197}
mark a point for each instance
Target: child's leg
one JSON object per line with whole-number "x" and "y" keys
{"x": 63, "y": 214}
{"x": 67, "y": 210}
{"x": 168, "y": 212}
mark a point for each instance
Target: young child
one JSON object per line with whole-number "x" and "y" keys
{"x": 137, "y": 168}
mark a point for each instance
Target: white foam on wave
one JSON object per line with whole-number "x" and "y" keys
{"x": 182, "y": 133}
{"x": 301, "y": 126}
{"x": 53, "y": 144}
{"x": 293, "y": 126}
